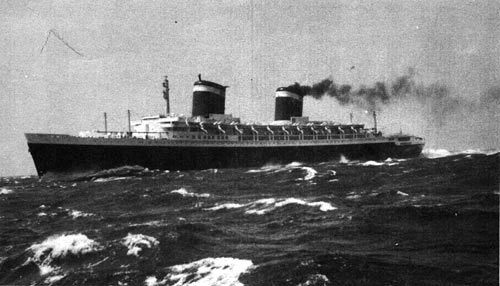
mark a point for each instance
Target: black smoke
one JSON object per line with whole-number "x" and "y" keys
{"x": 447, "y": 117}
{"x": 366, "y": 96}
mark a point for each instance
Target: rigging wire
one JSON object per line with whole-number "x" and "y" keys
{"x": 53, "y": 32}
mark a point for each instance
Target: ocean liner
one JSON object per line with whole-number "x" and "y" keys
{"x": 212, "y": 139}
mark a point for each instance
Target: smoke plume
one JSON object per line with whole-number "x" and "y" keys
{"x": 446, "y": 118}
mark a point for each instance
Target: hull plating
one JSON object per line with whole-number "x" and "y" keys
{"x": 67, "y": 157}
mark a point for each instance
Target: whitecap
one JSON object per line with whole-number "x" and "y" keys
{"x": 263, "y": 206}
{"x": 401, "y": 193}
{"x": 353, "y": 197}
{"x": 436, "y": 153}
{"x": 110, "y": 179}
{"x": 311, "y": 173}
{"x": 221, "y": 271}
{"x": 59, "y": 246}
{"x": 225, "y": 206}
{"x": 267, "y": 168}
{"x": 53, "y": 279}
{"x": 185, "y": 193}
{"x": 294, "y": 165}
{"x": 316, "y": 279}
{"x": 372, "y": 163}
{"x": 5, "y": 191}
{"x": 76, "y": 214}
{"x": 439, "y": 153}
{"x": 343, "y": 159}
{"x": 136, "y": 242}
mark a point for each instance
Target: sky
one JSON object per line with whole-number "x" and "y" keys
{"x": 254, "y": 47}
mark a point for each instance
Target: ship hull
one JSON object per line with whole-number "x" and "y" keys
{"x": 74, "y": 157}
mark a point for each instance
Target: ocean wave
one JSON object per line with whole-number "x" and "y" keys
{"x": 316, "y": 279}
{"x": 54, "y": 279}
{"x": 310, "y": 172}
{"x": 275, "y": 168}
{"x": 221, "y": 271}
{"x": 263, "y": 206}
{"x": 440, "y": 153}
{"x": 60, "y": 246}
{"x": 136, "y": 242}
{"x": 374, "y": 163}
{"x": 76, "y": 214}
{"x": 185, "y": 193}
{"x": 5, "y": 191}
{"x": 109, "y": 179}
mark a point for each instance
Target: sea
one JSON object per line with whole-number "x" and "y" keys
{"x": 432, "y": 220}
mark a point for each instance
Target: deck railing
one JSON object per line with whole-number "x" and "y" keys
{"x": 236, "y": 137}
{"x": 161, "y": 138}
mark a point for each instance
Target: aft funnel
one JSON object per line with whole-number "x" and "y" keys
{"x": 288, "y": 104}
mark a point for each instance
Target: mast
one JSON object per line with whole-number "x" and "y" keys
{"x": 375, "y": 121}
{"x": 129, "y": 128}
{"x": 166, "y": 95}
{"x": 105, "y": 122}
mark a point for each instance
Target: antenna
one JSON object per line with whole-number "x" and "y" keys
{"x": 105, "y": 122}
{"x": 166, "y": 95}
{"x": 53, "y": 32}
{"x": 129, "y": 129}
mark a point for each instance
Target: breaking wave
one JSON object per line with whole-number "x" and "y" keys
{"x": 221, "y": 271}
{"x": 137, "y": 242}
{"x": 5, "y": 191}
{"x": 60, "y": 246}
{"x": 185, "y": 193}
{"x": 440, "y": 153}
{"x": 263, "y": 206}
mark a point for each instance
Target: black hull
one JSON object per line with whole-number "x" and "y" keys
{"x": 70, "y": 157}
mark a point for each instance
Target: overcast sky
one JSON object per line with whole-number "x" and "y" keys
{"x": 252, "y": 46}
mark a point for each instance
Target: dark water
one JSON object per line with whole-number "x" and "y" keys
{"x": 416, "y": 222}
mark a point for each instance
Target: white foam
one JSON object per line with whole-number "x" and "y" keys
{"x": 276, "y": 168}
{"x": 59, "y": 246}
{"x": 374, "y": 163}
{"x": 110, "y": 179}
{"x": 293, "y": 165}
{"x": 225, "y": 206}
{"x": 5, "y": 191}
{"x": 53, "y": 279}
{"x": 323, "y": 206}
{"x": 267, "y": 168}
{"x": 353, "y": 197}
{"x": 221, "y": 271}
{"x": 316, "y": 279}
{"x": 436, "y": 153}
{"x": 401, "y": 193}
{"x": 343, "y": 159}
{"x": 185, "y": 193}
{"x": 440, "y": 153}
{"x": 136, "y": 242}
{"x": 76, "y": 214}
{"x": 311, "y": 173}
{"x": 263, "y": 206}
